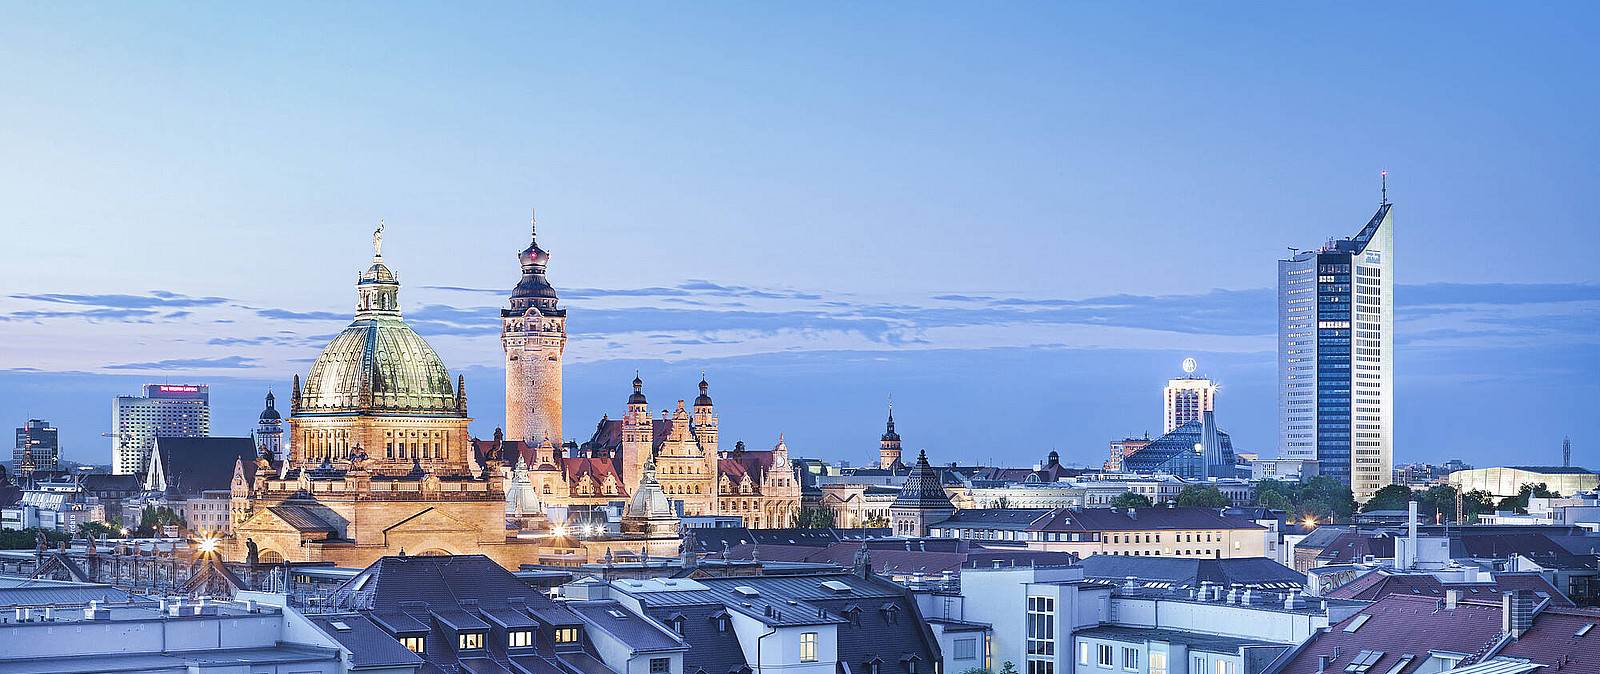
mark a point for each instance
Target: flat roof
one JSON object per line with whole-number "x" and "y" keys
{"x": 1209, "y": 643}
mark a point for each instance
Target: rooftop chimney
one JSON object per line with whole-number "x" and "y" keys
{"x": 1517, "y": 609}
{"x": 1451, "y": 599}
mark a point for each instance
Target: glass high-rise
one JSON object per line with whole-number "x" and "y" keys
{"x": 36, "y": 449}
{"x": 1336, "y": 356}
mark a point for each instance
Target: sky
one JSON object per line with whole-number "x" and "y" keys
{"x": 1015, "y": 218}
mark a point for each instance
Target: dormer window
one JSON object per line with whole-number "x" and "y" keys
{"x": 414, "y": 644}
{"x": 566, "y": 635}
{"x": 470, "y": 641}
{"x": 519, "y": 639}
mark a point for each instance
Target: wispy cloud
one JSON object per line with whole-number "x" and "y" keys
{"x": 228, "y": 362}
{"x": 155, "y": 299}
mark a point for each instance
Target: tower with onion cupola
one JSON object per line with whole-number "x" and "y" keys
{"x": 533, "y": 331}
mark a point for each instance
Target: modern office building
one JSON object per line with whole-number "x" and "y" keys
{"x": 1184, "y": 399}
{"x": 1336, "y": 356}
{"x": 170, "y": 411}
{"x": 36, "y": 449}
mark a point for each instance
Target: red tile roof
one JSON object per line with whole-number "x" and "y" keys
{"x": 1400, "y": 625}
{"x": 1381, "y": 583}
{"x": 1553, "y": 641}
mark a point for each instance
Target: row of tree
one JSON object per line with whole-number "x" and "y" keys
{"x": 1438, "y": 503}
{"x": 1323, "y": 498}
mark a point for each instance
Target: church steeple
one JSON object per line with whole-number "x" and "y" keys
{"x": 889, "y": 444}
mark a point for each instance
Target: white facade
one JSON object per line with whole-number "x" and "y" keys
{"x": 1186, "y": 399}
{"x": 214, "y": 639}
{"x": 176, "y": 411}
{"x": 1336, "y": 357}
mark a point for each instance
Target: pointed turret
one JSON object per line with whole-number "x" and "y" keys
{"x": 922, "y": 501}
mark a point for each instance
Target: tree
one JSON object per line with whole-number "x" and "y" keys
{"x": 1390, "y": 497}
{"x": 1129, "y": 499}
{"x": 1008, "y": 668}
{"x": 1476, "y": 502}
{"x": 876, "y": 523}
{"x": 154, "y": 518}
{"x": 1197, "y": 496}
{"x": 1519, "y": 503}
{"x": 26, "y": 539}
{"x": 99, "y": 530}
{"x": 1324, "y": 498}
{"x": 813, "y": 518}
{"x": 1275, "y": 494}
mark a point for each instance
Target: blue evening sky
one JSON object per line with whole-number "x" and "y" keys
{"x": 1017, "y": 218}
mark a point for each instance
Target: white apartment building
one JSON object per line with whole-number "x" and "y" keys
{"x": 1185, "y": 399}
{"x": 165, "y": 410}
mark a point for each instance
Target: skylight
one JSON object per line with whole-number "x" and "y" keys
{"x": 1358, "y": 622}
{"x": 1363, "y": 662}
{"x": 339, "y": 625}
{"x": 616, "y": 613}
{"x": 836, "y": 586}
{"x": 1583, "y": 630}
{"x": 746, "y": 591}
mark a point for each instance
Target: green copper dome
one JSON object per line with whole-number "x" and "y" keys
{"x": 379, "y": 364}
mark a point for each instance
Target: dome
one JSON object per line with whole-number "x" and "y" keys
{"x": 379, "y": 364}
{"x": 271, "y": 412}
{"x": 704, "y": 400}
{"x": 383, "y": 357}
{"x": 638, "y": 392}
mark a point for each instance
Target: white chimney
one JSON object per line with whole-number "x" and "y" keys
{"x": 1451, "y": 599}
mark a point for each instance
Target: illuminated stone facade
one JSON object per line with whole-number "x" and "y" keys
{"x": 379, "y": 456}
{"x": 533, "y": 333}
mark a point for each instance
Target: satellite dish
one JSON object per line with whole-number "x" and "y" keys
{"x": 1189, "y": 365}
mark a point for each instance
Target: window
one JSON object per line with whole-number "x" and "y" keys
{"x": 1083, "y": 652}
{"x": 1041, "y": 626}
{"x": 1158, "y": 663}
{"x": 566, "y": 635}
{"x": 660, "y": 665}
{"x": 1107, "y": 655}
{"x": 808, "y": 647}
{"x": 1041, "y": 667}
{"x": 519, "y": 639}
{"x": 470, "y": 641}
{"x": 414, "y": 644}
{"x": 1130, "y": 659}
{"x": 966, "y": 649}
{"x": 1224, "y": 666}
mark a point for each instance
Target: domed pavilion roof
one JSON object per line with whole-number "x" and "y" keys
{"x": 379, "y": 365}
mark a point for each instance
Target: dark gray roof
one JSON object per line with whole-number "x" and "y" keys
{"x": 1181, "y": 572}
{"x": 629, "y": 628}
{"x": 874, "y": 618}
{"x": 923, "y": 489}
{"x": 1096, "y": 519}
{"x": 193, "y": 465}
{"x": 35, "y": 591}
{"x": 1196, "y": 641}
{"x": 369, "y": 645}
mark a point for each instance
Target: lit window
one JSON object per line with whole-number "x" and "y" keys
{"x": 414, "y": 644}
{"x": 808, "y": 647}
{"x": 470, "y": 641}
{"x": 519, "y": 639}
{"x": 1158, "y": 663}
{"x": 566, "y": 635}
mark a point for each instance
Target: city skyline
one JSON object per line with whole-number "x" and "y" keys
{"x": 1061, "y": 258}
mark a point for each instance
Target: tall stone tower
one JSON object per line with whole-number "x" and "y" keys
{"x": 889, "y": 446}
{"x": 705, "y": 418}
{"x": 534, "y": 334}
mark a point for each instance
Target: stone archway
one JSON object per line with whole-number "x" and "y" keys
{"x": 270, "y": 557}
{"x": 434, "y": 552}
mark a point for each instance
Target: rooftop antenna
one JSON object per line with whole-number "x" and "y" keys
{"x": 533, "y": 222}
{"x": 1385, "y": 176}
{"x": 1566, "y": 452}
